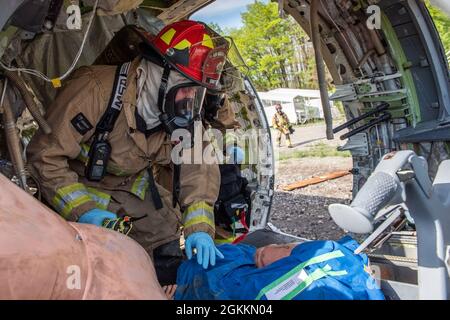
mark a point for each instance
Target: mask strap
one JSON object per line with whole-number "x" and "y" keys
{"x": 163, "y": 87}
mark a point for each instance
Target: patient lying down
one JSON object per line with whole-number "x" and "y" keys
{"x": 310, "y": 270}
{"x": 263, "y": 257}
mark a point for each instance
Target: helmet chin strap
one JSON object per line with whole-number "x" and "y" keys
{"x": 163, "y": 87}
{"x": 165, "y": 119}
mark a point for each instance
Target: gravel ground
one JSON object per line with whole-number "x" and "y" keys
{"x": 303, "y": 212}
{"x": 308, "y": 135}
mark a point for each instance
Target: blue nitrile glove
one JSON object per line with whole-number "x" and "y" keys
{"x": 96, "y": 216}
{"x": 206, "y": 249}
{"x": 236, "y": 154}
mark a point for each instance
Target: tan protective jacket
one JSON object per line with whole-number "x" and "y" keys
{"x": 281, "y": 122}
{"x": 58, "y": 159}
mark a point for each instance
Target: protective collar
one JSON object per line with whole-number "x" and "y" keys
{"x": 148, "y": 83}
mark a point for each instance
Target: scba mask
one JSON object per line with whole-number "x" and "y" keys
{"x": 182, "y": 106}
{"x": 199, "y": 54}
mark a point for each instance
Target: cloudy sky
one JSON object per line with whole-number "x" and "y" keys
{"x": 226, "y": 13}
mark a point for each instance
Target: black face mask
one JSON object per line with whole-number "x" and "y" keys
{"x": 182, "y": 106}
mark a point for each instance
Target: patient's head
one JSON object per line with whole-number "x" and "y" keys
{"x": 271, "y": 253}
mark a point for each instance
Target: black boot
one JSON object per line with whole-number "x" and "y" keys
{"x": 167, "y": 258}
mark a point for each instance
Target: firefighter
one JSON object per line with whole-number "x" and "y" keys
{"x": 280, "y": 122}
{"x": 111, "y": 125}
{"x": 217, "y": 114}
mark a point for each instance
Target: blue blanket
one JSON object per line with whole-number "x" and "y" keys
{"x": 316, "y": 270}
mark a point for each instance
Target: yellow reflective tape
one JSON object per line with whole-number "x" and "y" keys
{"x": 140, "y": 185}
{"x": 83, "y": 156}
{"x": 197, "y": 206}
{"x": 115, "y": 170}
{"x": 69, "y": 197}
{"x": 198, "y": 220}
{"x": 197, "y": 213}
{"x": 73, "y": 204}
{"x": 192, "y": 215}
{"x": 207, "y": 42}
{"x": 183, "y": 44}
{"x": 102, "y": 199}
{"x": 223, "y": 241}
{"x": 168, "y": 36}
{"x": 69, "y": 189}
{"x": 99, "y": 193}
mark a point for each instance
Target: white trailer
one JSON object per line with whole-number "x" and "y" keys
{"x": 300, "y": 105}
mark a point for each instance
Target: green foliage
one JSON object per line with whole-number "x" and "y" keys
{"x": 277, "y": 51}
{"x": 442, "y": 23}
{"x": 319, "y": 150}
{"x": 216, "y": 28}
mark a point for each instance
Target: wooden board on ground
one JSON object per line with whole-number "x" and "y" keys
{"x": 314, "y": 180}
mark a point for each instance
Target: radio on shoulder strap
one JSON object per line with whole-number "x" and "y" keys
{"x": 100, "y": 150}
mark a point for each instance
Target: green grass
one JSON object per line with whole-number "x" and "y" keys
{"x": 336, "y": 121}
{"x": 313, "y": 122}
{"x": 318, "y": 150}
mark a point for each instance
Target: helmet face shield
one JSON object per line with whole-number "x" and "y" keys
{"x": 216, "y": 61}
{"x": 202, "y": 62}
{"x": 184, "y": 103}
{"x": 213, "y": 66}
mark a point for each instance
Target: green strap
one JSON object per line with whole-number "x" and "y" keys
{"x": 316, "y": 275}
{"x": 297, "y": 269}
{"x": 337, "y": 273}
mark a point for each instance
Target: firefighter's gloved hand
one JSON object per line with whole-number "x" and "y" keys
{"x": 236, "y": 154}
{"x": 206, "y": 249}
{"x": 96, "y": 216}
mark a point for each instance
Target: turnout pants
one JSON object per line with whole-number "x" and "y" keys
{"x": 287, "y": 135}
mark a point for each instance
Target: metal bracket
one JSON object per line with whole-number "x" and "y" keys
{"x": 357, "y": 145}
{"x": 397, "y": 212}
{"x": 420, "y": 168}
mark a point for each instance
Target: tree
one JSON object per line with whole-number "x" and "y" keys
{"x": 442, "y": 23}
{"x": 270, "y": 47}
{"x": 216, "y": 28}
{"x": 279, "y": 53}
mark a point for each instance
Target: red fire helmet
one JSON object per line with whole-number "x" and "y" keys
{"x": 194, "y": 50}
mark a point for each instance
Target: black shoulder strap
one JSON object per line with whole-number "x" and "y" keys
{"x": 163, "y": 87}
{"x": 156, "y": 197}
{"x": 176, "y": 185}
{"x": 115, "y": 104}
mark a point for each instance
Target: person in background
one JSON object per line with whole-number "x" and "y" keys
{"x": 280, "y": 122}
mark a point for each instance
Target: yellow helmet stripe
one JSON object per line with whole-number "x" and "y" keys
{"x": 183, "y": 44}
{"x": 207, "y": 42}
{"x": 168, "y": 35}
